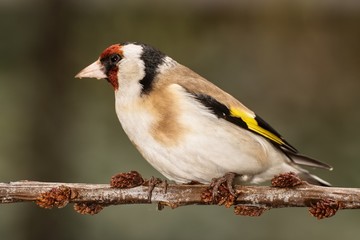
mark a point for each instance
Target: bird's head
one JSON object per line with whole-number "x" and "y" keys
{"x": 122, "y": 64}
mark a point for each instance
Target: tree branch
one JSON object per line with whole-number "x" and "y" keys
{"x": 250, "y": 200}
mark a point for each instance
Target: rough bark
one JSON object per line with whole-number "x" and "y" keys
{"x": 249, "y": 200}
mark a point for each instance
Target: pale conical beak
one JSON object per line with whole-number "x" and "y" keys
{"x": 94, "y": 70}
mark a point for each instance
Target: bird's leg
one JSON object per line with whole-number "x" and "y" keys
{"x": 152, "y": 182}
{"x": 228, "y": 178}
{"x": 165, "y": 185}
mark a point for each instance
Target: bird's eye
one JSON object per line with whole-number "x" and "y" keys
{"x": 115, "y": 58}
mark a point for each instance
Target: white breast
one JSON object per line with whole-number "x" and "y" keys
{"x": 210, "y": 148}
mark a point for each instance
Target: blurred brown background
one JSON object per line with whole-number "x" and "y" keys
{"x": 296, "y": 63}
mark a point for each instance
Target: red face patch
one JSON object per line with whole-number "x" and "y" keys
{"x": 106, "y": 58}
{"x": 116, "y": 48}
{"x": 113, "y": 78}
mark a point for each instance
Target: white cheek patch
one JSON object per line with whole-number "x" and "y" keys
{"x": 131, "y": 71}
{"x": 131, "y": 68}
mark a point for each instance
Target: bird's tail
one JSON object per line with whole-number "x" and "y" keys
{"x": 302, "y": 160}
{"x": 312, "y": 179}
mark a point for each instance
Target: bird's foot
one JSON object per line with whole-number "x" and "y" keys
{"x": 151, "y": 183}
{"x": 221, "y": 191}
{"x": 227, "y": 180}
{"x": 126, "y": 180}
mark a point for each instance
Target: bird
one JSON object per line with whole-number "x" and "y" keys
{"x": 189, "y": 129}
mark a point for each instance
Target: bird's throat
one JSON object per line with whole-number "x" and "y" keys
{"x": 113, "y": 78}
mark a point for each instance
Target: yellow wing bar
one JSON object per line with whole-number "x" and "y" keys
{"x": 254, "y": 125}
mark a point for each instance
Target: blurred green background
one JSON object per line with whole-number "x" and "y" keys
{"x": 296, "y": 63}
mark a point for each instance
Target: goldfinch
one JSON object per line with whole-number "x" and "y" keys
{"x": 186, "y": 127}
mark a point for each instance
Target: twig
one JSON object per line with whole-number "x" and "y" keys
{"x": 250, "y": 200}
